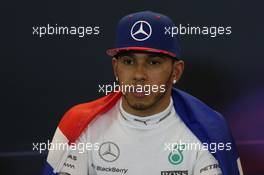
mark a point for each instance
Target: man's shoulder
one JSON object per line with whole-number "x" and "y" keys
{"x": 76, "y": 119}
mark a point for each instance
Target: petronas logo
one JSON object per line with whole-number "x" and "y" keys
{"x": 176, "y": 157}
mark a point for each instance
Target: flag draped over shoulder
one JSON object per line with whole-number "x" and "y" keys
{"x": 206, "y": 124}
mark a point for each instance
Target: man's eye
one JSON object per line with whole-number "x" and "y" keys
{"x": 128, "y": 62}
{"x": 153, "y": 62}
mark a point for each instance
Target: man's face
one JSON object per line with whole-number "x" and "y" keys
{"x": 150, "y": 74}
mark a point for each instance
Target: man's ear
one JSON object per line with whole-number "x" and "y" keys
{"x": 114, "y": 65}
{"x": 178, "y": 67}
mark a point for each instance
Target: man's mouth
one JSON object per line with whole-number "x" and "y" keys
{"x": 139, "y": 94}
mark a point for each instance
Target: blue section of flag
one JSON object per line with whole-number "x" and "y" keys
{"x": 209, "y": 127}
{"x": 48, "y": 170}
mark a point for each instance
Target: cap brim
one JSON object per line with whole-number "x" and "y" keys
{"x": 113, "y": 52}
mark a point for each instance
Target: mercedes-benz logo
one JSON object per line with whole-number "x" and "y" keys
{"x": 109, "y": 151}
{"x": 141, "y": 31}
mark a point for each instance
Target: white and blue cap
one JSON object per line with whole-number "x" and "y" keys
{"x": 145, "y": 31}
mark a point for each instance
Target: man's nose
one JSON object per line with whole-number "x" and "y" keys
{"x": 140, "y": 73}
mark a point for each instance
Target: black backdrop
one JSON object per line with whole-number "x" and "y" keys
{"x": 43, "y": 77}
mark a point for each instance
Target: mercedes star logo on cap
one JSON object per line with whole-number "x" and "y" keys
{"x": 141, "y": 31}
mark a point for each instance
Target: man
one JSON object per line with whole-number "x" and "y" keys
{"x": 144, "y": 130}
